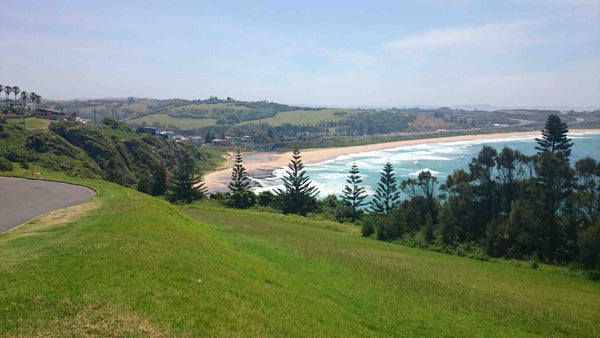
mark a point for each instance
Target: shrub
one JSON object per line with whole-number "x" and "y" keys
{"x": 266, "y": 198}
{"x": 5, "y": 165}
{"x": 368, "y": 227}
{"x": 242, "y": 199}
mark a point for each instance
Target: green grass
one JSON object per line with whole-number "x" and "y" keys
{"x": 31, "y": 123}
{"x": 297, "y": 117}
{"x": 130, "y": 264}
{"x": 182, "y": 123}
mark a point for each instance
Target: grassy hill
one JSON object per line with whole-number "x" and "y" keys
{"x": 129, "y": 264}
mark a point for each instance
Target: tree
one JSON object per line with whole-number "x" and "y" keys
{"x": 353, "y": 194}
{"x": 554, "y": 137}
{"x": 24, "y": 97}
{"x": 7, "y": 90}
{"x": 33, "y": 97}
{"x": 187, "y": 182}
{"x": 239, "y": 177}
{"x": 16, "y": 91}
{"x": 298, "y": 197}
{"x": 159, "y": 184}
{"x": 387, "y": 193}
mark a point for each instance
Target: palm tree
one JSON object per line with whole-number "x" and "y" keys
{"x": 32, "y": 96}
{"x": 16, "y": 90}
{"x": 7, "y": 90}
{"x": 24, "y": 97}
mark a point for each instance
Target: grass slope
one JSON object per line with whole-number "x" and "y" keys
{"x": 130, "y": 264}
{"x": 182, "y": 123}
{"x": 31, "y": 123}
{"x": 299, "y": 117}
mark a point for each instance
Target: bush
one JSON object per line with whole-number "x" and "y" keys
{"x": 5, "y": 165}
{"x": 589, "y": 247}
{"x": 368, "y": 227}
{"x": 266, "y": 199}
{"x": 242, "y": 199}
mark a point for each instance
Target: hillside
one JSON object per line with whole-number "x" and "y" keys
{"x": 110, "y": 150}
{"x": 272, "y": 126}
{"x": 130, "y": 264}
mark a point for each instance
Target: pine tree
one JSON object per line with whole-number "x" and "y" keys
{"x": 554, "y": 137}
{"x": 298, "y": 197}
{"x": 187, "y": 183}
{"x": 159, "y": 186}
{"x": 353, "y": 194}
{"x": 239, "y": 177}
{"x": 387, "y": 194}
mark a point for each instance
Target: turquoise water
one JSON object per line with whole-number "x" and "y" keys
{"x": 441, "y": 159}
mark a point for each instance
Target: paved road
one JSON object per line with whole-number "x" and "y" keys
{"x": 22, "y": 200}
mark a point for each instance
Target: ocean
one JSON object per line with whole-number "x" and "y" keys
{"x": 441, "y": 159}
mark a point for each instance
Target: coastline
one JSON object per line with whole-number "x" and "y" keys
{"x": 218, "y": 180}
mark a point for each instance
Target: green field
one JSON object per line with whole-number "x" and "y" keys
{"x": 31, "y": 123}
{"x": 182, "y": 123}
{"x": 129, "y": 264}
{"x": 297, "y": 117}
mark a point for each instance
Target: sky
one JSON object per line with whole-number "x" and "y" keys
{"x": 517, "y": 53}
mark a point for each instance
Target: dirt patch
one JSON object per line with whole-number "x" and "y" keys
{"x": 58, "y": 217}
{"x": 106, "y": 322}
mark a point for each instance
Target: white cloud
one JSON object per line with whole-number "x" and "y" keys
{"x": 518, "y": 33}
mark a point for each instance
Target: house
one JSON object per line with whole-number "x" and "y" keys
{"x": 166, "y": 135}
{"x": 151, "y": 130}
{"x": 180, "y": 138}
{"x": 220, "y": 142}
{"x": 50, "y": 114}
{"x": 198, "y": 140}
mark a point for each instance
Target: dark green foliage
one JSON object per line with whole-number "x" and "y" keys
{"x": 298, "y": 196}
{"x": 159, "y": 182}
{"x": 266, "y": 198}
{"x": 353, "y": 194}
{"x": 387, "y": 193}
{"x": 334, "y": 209}
{"x": 145, "y": 185}
{"x": 115, "y": 124}
{"x": 187, "y": 182}
{"x": 5, "y": 165}
{"x": 588, "y": 186}
{"x": 368, "y": 226}
{"x": 239, "y": 177}
{"x": 242, "y": 199}
{"x": 589, "y": 243}
{"x": 554, "y": 137}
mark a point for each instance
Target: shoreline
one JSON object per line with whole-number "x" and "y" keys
{"x": 219, "y": 179}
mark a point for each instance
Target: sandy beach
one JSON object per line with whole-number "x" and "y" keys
{"x": 218, "y": 180}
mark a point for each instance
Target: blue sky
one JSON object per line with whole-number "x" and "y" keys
{"x": 334, "y": 53}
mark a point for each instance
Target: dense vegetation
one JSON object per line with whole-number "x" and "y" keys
{"x": 506, "y": 205}
{"x": 127, "y": 264}
{"x": 111, "y": 151}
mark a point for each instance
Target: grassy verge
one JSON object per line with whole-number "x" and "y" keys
{"x": 130, "y": 264}
{"x": 31, "y": 123}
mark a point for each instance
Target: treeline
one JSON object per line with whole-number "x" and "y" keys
{"x": 506, "y": 204}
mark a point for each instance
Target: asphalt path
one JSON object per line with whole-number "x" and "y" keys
{"x": 22, "y": 200}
